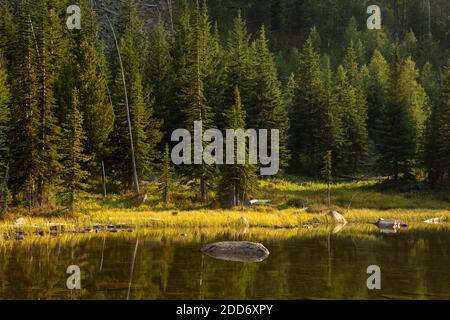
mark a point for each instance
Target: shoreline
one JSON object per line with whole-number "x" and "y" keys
{"x": 128, "y": 220}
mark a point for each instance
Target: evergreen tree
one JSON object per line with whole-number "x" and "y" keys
{"x": 334, "y": 130}
{"x": 239, "y": 68}
{"x": 267, "y": 111}
{"x": 196, "y": 104}
{"x": 429, "y": 81}
{"x": 144, "y": 126}
{"x": 437, "y": 148}
{"x": 309, "y": 114}
{"x": 50, "y": 46}
{"x": 397, "y": 136}
{"x": 160, "y": 74}
{"x": 35, "y": 132}
{"x": 346, "y": 100}
{"x": 4, "y": 128}
{"x": 166, "y": 176}
{"x": 416, "y": 101}
{"x": 90, "y": 70}
{"x": 357, "y": 131}
{"x": 237, "y": 180}
{"x": 377, "y": 93}
{"x": 73, "y": 154}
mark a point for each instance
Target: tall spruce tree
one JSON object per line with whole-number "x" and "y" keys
{"x": 73, "y": 154}
{"x": 91, "y": 76}
{"x": 51, "y": 48}
{"x": 357, "y": 130}
{"x": 237, "y": 181}
{"x": 397, "y": 135}
{"x": 309, "y": 114}
{"x": 35, "y": 132}
{"x": 5, "y": 116}
{"x": 334, "y": 130}
{"x": 196, "y": 105}
{"x": 267, "y": 110}
{"x": 377, "y": 92}
{"x": 144, "y": 126}
{"x": 160, "y": 74}
{"x": 239, "y": 66}
{"x": 166, "y": 176}
{"x": 437, "y": 147}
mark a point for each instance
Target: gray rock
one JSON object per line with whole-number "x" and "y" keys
{"x": 241, "y": 251}
{"x": 389, "y": 224}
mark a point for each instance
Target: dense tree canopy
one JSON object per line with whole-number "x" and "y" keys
{"x": 346, "y": 100}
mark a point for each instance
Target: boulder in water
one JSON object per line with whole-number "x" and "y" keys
{"x": 241, "y": 251}
{"x": 389, "y": 224}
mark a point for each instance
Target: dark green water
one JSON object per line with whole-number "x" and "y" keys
{"x": 302, "y": 265}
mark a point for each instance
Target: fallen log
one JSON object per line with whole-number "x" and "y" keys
{"x": 436, "y": 220}
{"x": 337, "y": 217}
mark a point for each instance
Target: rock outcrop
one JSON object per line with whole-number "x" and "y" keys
{"x": 242, "y": 251}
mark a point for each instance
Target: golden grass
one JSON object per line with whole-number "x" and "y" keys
{"x": 264, "y": 217}
{"x": 295, "y": 202}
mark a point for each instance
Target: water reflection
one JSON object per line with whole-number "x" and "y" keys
{"x": 303, "y": 264}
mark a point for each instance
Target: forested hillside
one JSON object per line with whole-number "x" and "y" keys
{"x": 80, "y": 108}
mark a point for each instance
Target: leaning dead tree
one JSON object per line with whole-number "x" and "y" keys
{"x": 127, "y": 107}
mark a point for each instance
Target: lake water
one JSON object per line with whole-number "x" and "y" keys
{"x": 167, "y": 264}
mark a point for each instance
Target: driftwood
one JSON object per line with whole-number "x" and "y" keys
{"x": 337, "y": 217}
{"x": 436, "y": 220}
{"x": 241, "y": 251}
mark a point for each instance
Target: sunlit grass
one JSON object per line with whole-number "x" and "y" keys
{"x": 294, "y": 203}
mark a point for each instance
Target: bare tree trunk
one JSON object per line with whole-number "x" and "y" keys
{"x": 203, "y": 192}
{"x": 132, "y": 268}
{"x": 104, "y": 179}
{"x": 130, "y": 131}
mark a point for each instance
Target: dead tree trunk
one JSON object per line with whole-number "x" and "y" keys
{"x": 130, "y": 131}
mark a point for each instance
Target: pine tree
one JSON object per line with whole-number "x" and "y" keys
{"x": 35, "y": 132}
{"x": 239, "y": 66}
{"x": 160, "y": 74}
{"x": 4, "y": 128}
{"x": 73, "y": 154}
{"x": 429, "y": 81}
{"x": 166, "y": 176}
{"x": 437, "y": 147}
{"x": 327, "y": 174}
{"x": 309, "y": 114}
{"x": 397, "y": 136}
{"x": 346, "y": 100}
{"x": 50, "y": 50}
{"x": 237, "y": 180}
{"x": 267, "y": 111}
{"x": 333, "y": 130}
{"x": 357, "y": 131}
{"x": 377, "y": 93}
{"x": 144, "y": 126}
{"x": 195, "y": 103}
{"x": 90, "y": 70}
